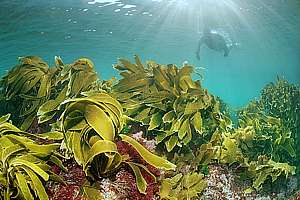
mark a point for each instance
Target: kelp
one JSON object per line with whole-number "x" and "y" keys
{"x": 260, "y": 144}
{"x": 166, "y": 99}
{"x": 197, "y": 160}
{"x": 281, "y": 99}
{"x": 180, "y": 113}
{"x": 274, "y": 118}
{"x": 257, "y": 136}
{"x": 150, "y": 158}
{"x": 88, "y": 116}
{"x": 24, "y": 167}
{"x": 71, "y": 80}
{"x": 263, "y": 134}
{"x": 90, "y": 121}
{"x": 229, "y": 151}
{"x": 41, "y": 89}
{"x": 245, "y": 147}
{"x": 91, "y": 125}
{"x": 265, "y": 168}
{"x": 25, "y": 88}
{"x": 183, "y": 186}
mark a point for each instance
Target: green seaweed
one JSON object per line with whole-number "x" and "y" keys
{"x": 264, "y": 168}
{"x": 262, "y": 134}
{"x": 183, "y": 187}
{"x": 281, "y": 99}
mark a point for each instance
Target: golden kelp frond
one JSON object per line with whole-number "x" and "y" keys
{"x": 81, "y": 76}
{"x": 71, "y": 80}
{"x": 24, "y": 165}
{"x": 162, "y": 77}
{"x": 25, "y": 88}
{"x": 268, "y": 135}
{"x": 183, "y": 187}
{"x": 165, "y": 98}
{"x": 265, "y": 168}
{"x": 33, "y": 83}
{"x": 87, "y": 116}
{"x": 90, "y": 125}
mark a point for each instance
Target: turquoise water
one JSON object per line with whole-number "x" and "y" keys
{"x": 268, "y": 37}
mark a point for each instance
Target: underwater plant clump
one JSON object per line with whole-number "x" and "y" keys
{"x": 274, "y": 121}
{"x": 175, "y": 108}
{"x": 89, "y": 123}
{"x": 25, "y": 164}
{"x": 94, "y": 138}
{"x": 282, "y": 100}
{"x": 26, "y": 87}
{"x": 69, "y": 82}
{"x": 33, "y": 89}
{"x": 266, "y": 135}
{"x": 259, "y": 137}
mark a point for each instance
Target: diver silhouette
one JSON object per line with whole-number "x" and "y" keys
{"x": 214, "y": 41}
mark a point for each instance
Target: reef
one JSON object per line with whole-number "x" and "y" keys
{"x": 154, "y": 133}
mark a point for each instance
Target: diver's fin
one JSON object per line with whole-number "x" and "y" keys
{"x": 198, "y": 55}
{"x": 198, "y": 49}
{"x": 226, "y": 52}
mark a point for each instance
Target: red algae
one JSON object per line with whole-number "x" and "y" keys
{"x": 126, "y": 175}
{"x": 126, "y": 149}
{"x": 74, "y": 179}
{"x": 68, "y": 192}
{"x": 75, "y": 174}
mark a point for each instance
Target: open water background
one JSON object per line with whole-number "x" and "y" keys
{"x": 167, "y": 31}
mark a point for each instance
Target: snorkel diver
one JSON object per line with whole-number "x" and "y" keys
{"x": 214, "y": 41}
